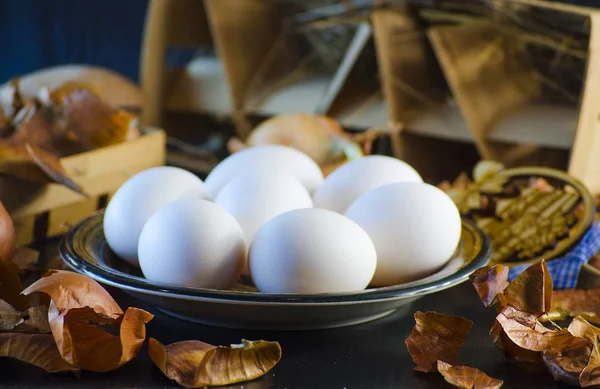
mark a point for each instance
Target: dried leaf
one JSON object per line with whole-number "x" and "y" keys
{"x": 467, "y": 377}
{"x": 33, "y": 127}
{"x": 510, "y": 348}
{"x": 490, "y": 282}
{"x": 69, "y": 290}
{"x": 11, "y": 286}
{"x": 576, "y": 302}
{"x": 531, "y": 291}
{"x": 17, "y": 99}
{"x": 92, "y": 122}
{"x": 567, "y": 365}
{"x": 581, "y": 328}
{"x": 51, "y": 166}
{"x": 34, "y": 164}
{"x": 196, "y": 364}
{"x": 36, "y": 349}
{"x": 79, "y": 311}
{"x": 84, "y": 343}
{"x": 62, "y": 92}
{"x": 35, "y": 320}
{"x": 436, "y": 337}
{"x": 9, "y": 316}
{"x": 538, "y": 338}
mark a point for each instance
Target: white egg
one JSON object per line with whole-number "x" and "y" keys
{"x": 311, "y": 251}
{"x": 415, "y": 228}
{"x": 193, "y": 243}
{"x": 138, "y": 198}
{"x": 267, "y": 159}
{"x": 254, "y": 199}
{"x": 348, "y": 182}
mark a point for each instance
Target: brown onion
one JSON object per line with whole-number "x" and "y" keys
{"x": 7, "y": 235}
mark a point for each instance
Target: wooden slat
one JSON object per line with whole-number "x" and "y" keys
{"x": 62, "y": 218}
{"x": 585, "y": 156}
{"x": 473, "y": 58}
{"x": 244, "y": 31}
{"x": 556, "y": 6}
{"x": 24, "y": 229}
{"x": 152, "y": 63}
{"x": 100, "y": 171}
{"x": 405, "y": 68}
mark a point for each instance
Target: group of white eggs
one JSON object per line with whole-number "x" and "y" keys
{"x": 268, "y": 213}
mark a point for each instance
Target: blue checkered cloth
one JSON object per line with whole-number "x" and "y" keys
{"x": 565, "y": 271}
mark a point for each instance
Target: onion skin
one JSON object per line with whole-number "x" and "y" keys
{"x": 311, "y": 134}
{"x": 8, "y": 236}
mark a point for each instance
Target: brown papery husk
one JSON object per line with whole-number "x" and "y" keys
{"x": 568, "y": 364}
{"x": 510, "y": 348}
{"x": 36, "y": 349}
{"x": 91, "y": 122}
{"x": 69, "y": 290}
{"x": 9, "y": 316}
{"x": 33, "y": 320}
{"x": 576, "y": 302}
{"x": 581, "y": 328}
{"x": 436, "y": 337}
{"x": 536, "y": 340}
{"x": 34, "y": 128}
{"x": 36, "y": 320}
{"x": 83, "y": 342}
{"x": 466, "y": 377}
{"x": 196, "y": 364}
{"x": 489, "y": 282}
{"x": 531, "y": 291}
{"x": 79, "y": 311}
{"x": 524, "y": 338}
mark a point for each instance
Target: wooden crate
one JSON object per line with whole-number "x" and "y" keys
{"x": 41, "y": 211}
{"x": 495, "y": 98}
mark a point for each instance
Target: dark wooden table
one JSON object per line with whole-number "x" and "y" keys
{"x": 367, "y": 356}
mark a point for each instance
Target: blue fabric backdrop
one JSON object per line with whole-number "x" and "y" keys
{"x": 39, "y": 33}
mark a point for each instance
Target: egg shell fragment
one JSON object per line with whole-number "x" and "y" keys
{"x": 311, "y": 251}
{"x": 415, "y": 227}
{"x": 266, "y": 159}
{"x": 193, "y": 243}
{"x": 139, "y": 198}
{"x": 355, "y": 178}
{"x": 254, "y": 199}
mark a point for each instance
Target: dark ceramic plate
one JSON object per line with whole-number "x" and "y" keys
{"x": 85, "y": 250}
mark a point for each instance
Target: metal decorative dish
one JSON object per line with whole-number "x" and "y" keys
{"x": 529, "y": 213}
{"x": 86, "y": 251}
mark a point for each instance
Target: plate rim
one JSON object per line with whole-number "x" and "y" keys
{"x": 80, "y": 265}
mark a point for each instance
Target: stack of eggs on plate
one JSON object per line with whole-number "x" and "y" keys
{"x": 268, "y": 213}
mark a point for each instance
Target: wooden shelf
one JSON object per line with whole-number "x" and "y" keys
{"x": 540, "y": 125}
{"x": 202, "y": 87}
